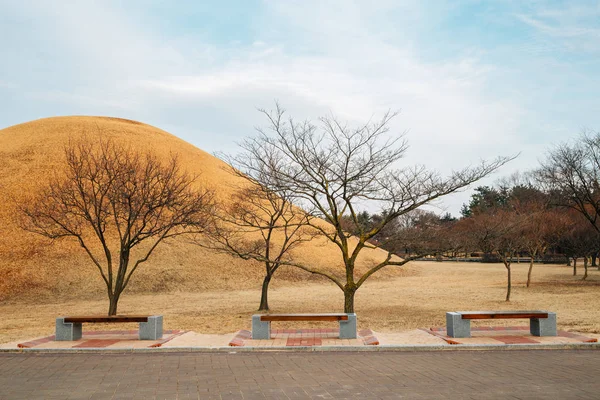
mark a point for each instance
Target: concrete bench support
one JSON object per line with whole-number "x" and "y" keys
{"x": 541, "y": 323}
{"x": 153, "y": 329}
{"x": 261, "y": 328}
{"x": 348, "y": 328}
{"x": 457, "y": 327}
{"x": 67, "y": 330}
{"x": 543, "y": 326}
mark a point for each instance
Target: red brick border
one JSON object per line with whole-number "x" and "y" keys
{"x": 37, "y": 342}
{"x": 174, "y": 334}
{"x": 240, "y": 337}
{"x": 571, "y": 335}
{"x": 508, "y": 339}
{"x": 368, "y": 337}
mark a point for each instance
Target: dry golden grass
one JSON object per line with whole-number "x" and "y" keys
{"x": 418, "y": 298}
{"x": 32, "y": 268}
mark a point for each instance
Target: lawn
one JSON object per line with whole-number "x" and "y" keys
{"x": 417, "y": 300}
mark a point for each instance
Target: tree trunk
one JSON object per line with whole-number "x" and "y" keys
{"x": 585, "y": 268}
{"x": 529, "y": 272}
{"x": 113, "y": 301}
{"x": 508, "y": 285}
{"x": 574, "y": 266}
{"x": 119, "y": 285}
{"x": 264, "y": 303}
{"x": 594, "y": 256}
{"x": 349, "y": 300}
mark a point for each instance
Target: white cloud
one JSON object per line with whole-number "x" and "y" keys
{"x": 573, "y": 27}
{"x": 560, "y": 31}
{"x": 452, "y": 120}
{"x": 314, "y": 57}
{"x": 92, "y": 102}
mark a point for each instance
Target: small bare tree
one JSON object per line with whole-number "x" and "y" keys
{"x": 542, "y": 223}
{"x": 333, "y": 169}
{"x": 538, "y": 233}
{"x": 496, "y": 231}
{"x": 508, "y": 242}
{"x": 588, "y": 245}
{"x": 258, "y": 224}
{"x": 578, "y": 239}
{"x": 119, "y": 204}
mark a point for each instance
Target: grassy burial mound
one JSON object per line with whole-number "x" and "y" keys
{"x": 33, "y": 267}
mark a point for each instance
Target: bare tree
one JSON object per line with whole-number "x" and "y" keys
{"x": 567, "y": 244}
{"x": 539, "y": 232}
{"x": 542, "y": 223}
{"x": 496, "y": 231}
{"x": 258, "y": 224}
{"x": 508, "y": 242}
{"x": 332, "y": 169}
{"x": 524, "y": 208}
{"x": 589, "y": 245}
{"x": 577, "y": 240}
{"x": 571, "y": 173}
{"x": 119, "y": 204}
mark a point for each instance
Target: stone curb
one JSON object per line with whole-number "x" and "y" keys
{"x": 320, "y": 349}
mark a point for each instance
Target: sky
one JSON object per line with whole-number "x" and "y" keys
{"x": 472, "y": 79}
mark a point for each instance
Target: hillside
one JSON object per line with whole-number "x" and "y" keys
{"x": 32, "y": 267}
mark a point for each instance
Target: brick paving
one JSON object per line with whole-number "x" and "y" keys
{"x": 509, "y": 335}
{"x": 558, "y": 374}
{"x": 107, "y": 339}
{"x": 304, "y": 337}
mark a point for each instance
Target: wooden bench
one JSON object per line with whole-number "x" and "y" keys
{"x": 542, "y": 323}
{"x": 261, "y": 324}
{"x": 69, "y": 328}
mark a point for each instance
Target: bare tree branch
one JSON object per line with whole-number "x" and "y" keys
{"x": 331, "y": 169}
{"x": 111, "y": 197}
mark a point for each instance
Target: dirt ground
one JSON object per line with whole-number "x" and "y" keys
{"x": 417, "y": 300}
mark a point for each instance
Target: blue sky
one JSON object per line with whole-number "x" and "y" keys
{"x": 473, "y": 79}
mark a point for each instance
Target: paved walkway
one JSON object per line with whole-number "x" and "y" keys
{"x": 564, "y": 374}
{"x": 114, "y": 340}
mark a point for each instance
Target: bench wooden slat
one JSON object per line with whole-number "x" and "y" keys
{"x": 502, "y": 314}
{"x": 107, "y": 319}
{"x": 304, "y": 317}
